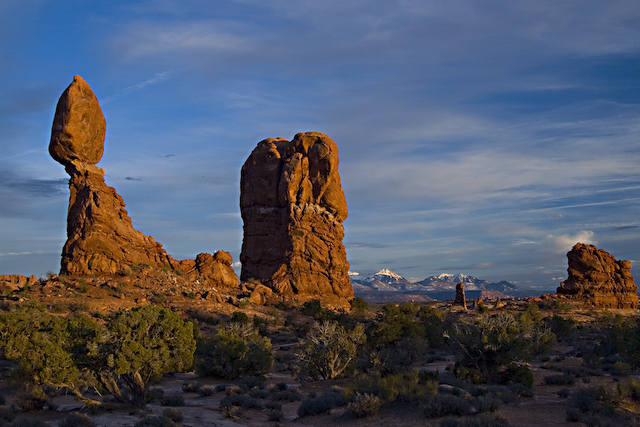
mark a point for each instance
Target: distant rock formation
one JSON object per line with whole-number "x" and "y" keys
{"x": 100, "y": 236}
{"x": 460, "y": 297}
{"x": 12, "y": 282}
{"x": 598, "y": 279}
{"x": 293, "y": 206}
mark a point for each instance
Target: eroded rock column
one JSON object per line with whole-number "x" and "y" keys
{"x": 293, "y": 207}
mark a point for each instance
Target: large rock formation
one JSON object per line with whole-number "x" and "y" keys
{"x": 598, "y": 279}
{"x": 100, "y": 236}
{"x": 293, "y": 206}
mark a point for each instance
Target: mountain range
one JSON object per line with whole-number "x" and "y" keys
{"x": 386, "y": 285}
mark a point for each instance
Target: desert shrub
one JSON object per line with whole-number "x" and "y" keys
{"x": 402, "y": 334}
{"x": 591, "y": 402}
{"x": 358, "y": 305}
{"x": 191, "y": 386}
{"x": 621, "y": 368}
{"x": 155, "y": 421}
{"x": 77, "y": 420}
{"x": 442, "y": 405}
{"x": 249, "y": 383}
{"x": 135, "y": 348}
{"x": 7, "y": 414}
{"x": 29, "y": 422}
{"x": 239, "y": 317}
{"x": 155, "y": 394}
{"x": 408, "y": 386}
{"x": 328, "y": 351}
{"x": 517, "y": 373}
{"x": 236, "y": 350}
{"x": 560, "y": 379}
{"x": 486, "y": 403}
{"x": 174, "y": 415}
{"x": 142, "y": 345}
{"x": 314, "y": 309}
{"x": 173, "y": 400}
{"x": 259, "y": 393}
{"x": 364, "y": 405}
{"x": 563, "y": 328}
{"x": 273, "y": 405}
{"x": 482, "y": 420}
{"x": 241, "y": 401}
{"x": 491, "y": 344}
{"x": 323, "y": 404}
{"x": 621, "y": 339}
{"x": 275, "y": 415}
{"x": 289, "y": 395}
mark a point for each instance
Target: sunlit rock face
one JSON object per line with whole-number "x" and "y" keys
{"x": 100, "y": 236}
{"x": 598, "y": 279}
{"x": 293, "y": 207}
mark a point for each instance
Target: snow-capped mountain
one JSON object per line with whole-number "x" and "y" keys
{"x": 384, "y": 280}
{"x": 445, "y": 282}
{"x": 437, "y": 286}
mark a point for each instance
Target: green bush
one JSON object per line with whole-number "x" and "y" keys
{"x": 402, "y": 335}
{"x": 135, "y": 348}
{"x": 241, "y": 401}
{"x": 173, "y": 400}
{"x": 174, "y": 415}
{"x": 560, "y": 379}
{"x": 236, "y": 350}
{"x": 239, "y": 317}
{"x": 323, "y": 404}
{"x": 358, "y": 305}
{"x": 77, "y": 420}
{"x": 328, "y": 351}
{"x": 155, "y": 421}
{"x": 442, "y": 405}
{"x": 364, "y": 405}
{"x": 495, "y": 348}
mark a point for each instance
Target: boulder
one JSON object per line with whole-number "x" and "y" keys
{"x": 293, "y": 207}
{"x": 260, "y": 295}
{"x": 596, "y": 278}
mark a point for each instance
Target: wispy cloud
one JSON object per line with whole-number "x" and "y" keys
{"x": 156, "y": 79}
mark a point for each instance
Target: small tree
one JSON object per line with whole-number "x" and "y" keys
{"x": 329, "y": 350}
{"x": 142, "y": 345}
{"x": 237, "y": 349}
{"x": 134, "y": 349}
{"x": 493, "y": 347}
{"x": 44, "y": 346}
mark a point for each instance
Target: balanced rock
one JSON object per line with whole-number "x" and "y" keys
{"x": 100, "y": 236}
{"x": 293, "y": 206}
{"x": 598, "y": 279}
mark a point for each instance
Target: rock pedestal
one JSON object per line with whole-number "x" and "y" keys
{"x": 293, "y": 206}
{"x": 460, "y": 298}
{"x": 100, "y": 236}
{"x": 598, "y": 279}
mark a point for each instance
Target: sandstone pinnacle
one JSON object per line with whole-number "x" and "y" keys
{"x": 293, "y": 206}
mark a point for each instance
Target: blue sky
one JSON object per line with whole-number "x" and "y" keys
{"x": 477, "y": 137}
